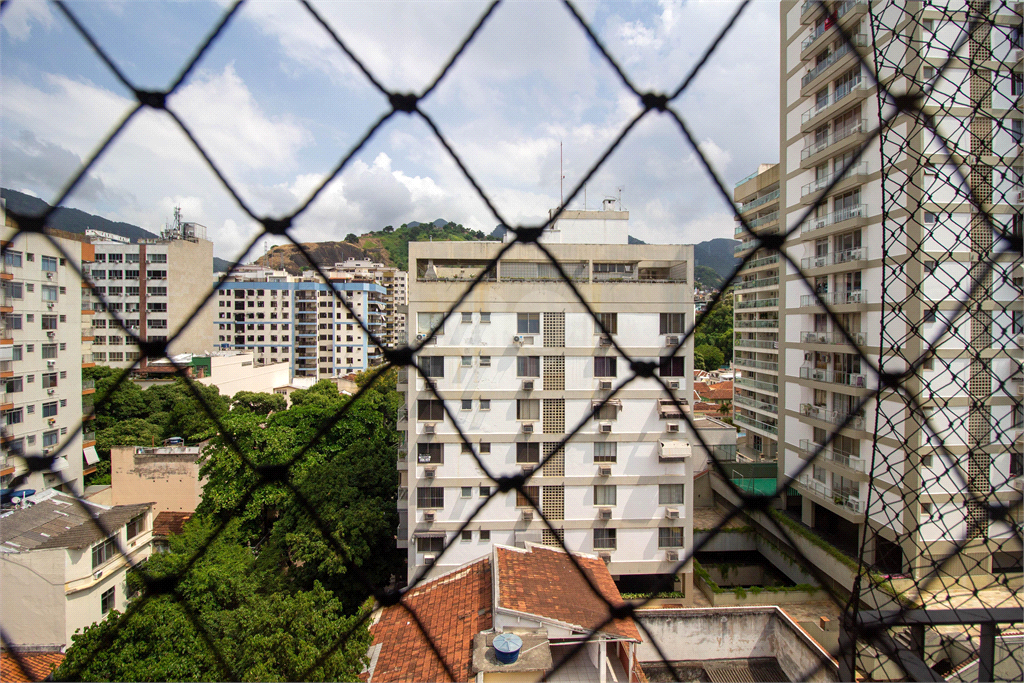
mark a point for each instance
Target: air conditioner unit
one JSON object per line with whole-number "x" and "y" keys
{"x": 429, "y": 559}
{"x": 671, "y": 341}
{"x": 51, "y": 392}
{"x": 420, "y": 337}
{"x": 428, "y": 516}
{"x": 429, "y": 472}
{"x": 605, "y": 428}
{"x": 49, "y": 305}
{"x": 527, "y": 428}
{"x": 527, "y": 470}
{"x": 49, "y": 276}
{"x": 528, "y": 385}
{"x": 47, "y": 451}
{"x": 428, "y": 429}
{"x": 51, "y": 334}
{"x": 527, "y": 515}
{"x": 673, "y": 384}
{"x": 51, "y": 420}
{"x": 606, "y": 557}
{"x": 672, "y": 555}
{"x": 605, "y": 340}
{"x": 671, "y": 513}
{"x": 672, "y": 428}
{"x": 604, "y": 471}
{"x": 98, "y": 575}
{"x": 518, "y": 339}
{"x": 51, "y": 363}
{"x": 605, "y": 385}
{"x": 604, "y": 513}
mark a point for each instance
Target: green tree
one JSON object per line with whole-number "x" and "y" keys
{"x": 117, "y": 401}
{"x": 352, "y": 237}
{"x": 713, "y": 357}
{"x": 258, "y": 403}
{"x": 714, "y": 328}
{"x": 188, "y": 417}
{"x": 131, "y": 432}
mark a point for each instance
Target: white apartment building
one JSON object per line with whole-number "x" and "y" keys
{"x": 829, "y": 105}
{"x": 396, "y": 285}
{"x": 298, "y": 320}
{"x": 755, "y": 399}
{"x": 520, "y": 364}
{"x": 44, "y": 344}
{"x": 154, "y": 286}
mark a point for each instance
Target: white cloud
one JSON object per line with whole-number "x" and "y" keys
{"x": 18, "y": 18}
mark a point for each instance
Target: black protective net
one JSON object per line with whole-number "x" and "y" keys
{"x": 943, "y": 392}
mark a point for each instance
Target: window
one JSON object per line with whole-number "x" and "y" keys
{"x": 107, "y": 600}
{"x": 157, "y": 306}
{"x": 528, "y": 493}
{"x": 50, "y": 409}
{"x": 432, "y": 366}
{"x": 48, "y": 350}
{"x": 604, "y": 539}
{"x": 485, "y": 534}
{"x": 49, "y": 322}
{"x": 527, "y": 453}
{"x": 929, "y": 315}
{"x": 605, "y": 451}
{"x": 467, "y": 404}
{"x": 673, "y": 323}
{"x": 428, "y": 322}
{"x": 467, "y": 361}
{"x": 528, "y": 366}
{"x": 604, "y": 495}
{"x": 135, "y": 527}
{"x": 926, "y": 509}
{"x": 50, "y": 438}
{"x": 16, "y": 352}
{"x": 13, "y": 322}
{"x": 430, "y": 496}
{"x": 430, "y": 453}
{"x": 467, "y": 535}
{"x": 604, "y": 366}
{"x": 13, "y": 385}
{"x": 115, "y": 258}
{"x": 528, "y": 323}
{"x": 609, "y": 411}
{"x": 103, "y": 552}
{"x": 528, "y": 409}
{"x": 49, "y": 263}
{"x": 670, "y": 494}
{"x": 485, "y": 447}
{"x": 485, "y": 317}
{"x": 610, "y": 322}
{"x": 429, "y": 544}
{"x": 49, "y": 292}
{"x": 928, "y": 73}
{"x": 485, "y": 404}
{"x": 13, "y": 417}
{"x": 670, "y": 537}
{"x": 467, "y": 492}
{"x": 467, "y": 317}
{"x": 672, "y": 366}
{"x": 485, "y": 361}
{"x": 430, "y": 410}
{"x": 49, "y": 380}
{"x": 14, "y": 290}
{"x": 13, "y": 258}
{"x": 156, "y": 274}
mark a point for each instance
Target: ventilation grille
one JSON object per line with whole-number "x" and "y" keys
{"x": 554, "y": 416}
{"x": 555, "y": 465}
{"x": 553, "y": 502}
{"x": 554, "y": 330}
{"x": 554, "y": 372}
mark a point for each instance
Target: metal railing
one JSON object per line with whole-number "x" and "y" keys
{"x": 745, "y": 324}
{"x": 858, "y": 40}
{"x": 760, "y": 201}
{"x": 850, "y": 462}
{"x": 756, "y": 424}
{"x": 756, "y": 384}
{"x": 858, "y": 170}
{"x": 834, "y": 338}
{"x": 754, "y": 404}
{"x": 850, "y": 379}
{"x": 823, "y": 491}
{"x": 850, "y": 296}
{"x": 757, "y": 303}
{"x": 835, "y": 417}
{"x": 751, "y": 284}
{"x": 835, "y": 138}
{"x": 836, "y": 258}
{"x": 756, "y": 343}
{"x": 757, "y": 364}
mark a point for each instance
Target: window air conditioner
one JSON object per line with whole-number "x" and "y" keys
{"x": 606, "y": 557}
{"x": 604, "y": 471}
{"x": 604, "y": 513}
{"x": 51, "y": 334}
{"x": 51, "y": 421}
{"x": 420, "y": 337}
{"x": 527, "y": 470}
{"x": 51, "y": 392}
{"x": 518, "y": 339}
{"x": 673, "y": 384}
{"x": 605, "y": 428}
{"x": 429, "y": 559}
{"x": 528, "y": 385}
{"x": 428, "y": 516}
{"x": 429, "y": 429}
{"x": 605, "y": 340}
{"x": 97, "y": 575}
{"x": 672, "y": 428}
{"x": 50, "y": 305}
{"x": 51, "y": 363}
{"x": 527, "y": 428}
{"x": 672, "y": 555}
{"x": 671, "y": 513}
{"x": 49, "y": 275}
{"x": 527, "y": 515}
{"x": 671, "y": 341}
{"x": 605, "y": 385}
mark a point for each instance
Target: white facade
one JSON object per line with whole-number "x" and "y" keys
{"x": 396, "y": 293}
{"x": 520, "y": 365}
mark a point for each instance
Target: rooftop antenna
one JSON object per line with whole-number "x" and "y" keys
{"x": 561, "y": 194}
{"x": 620, "y": 197}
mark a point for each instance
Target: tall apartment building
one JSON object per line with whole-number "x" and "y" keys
{"x": 893, "y": 302}
{"x": 520, "y": 364}
{"x": 756, "y": 318}
{"x": 396, "y": 295}
{"x": 154, "y": 286}
{"x": 44, "y": 344}
{"x": 298, "y": 320}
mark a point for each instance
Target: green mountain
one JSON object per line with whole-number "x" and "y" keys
{"x": 717, "y": 255}
{"x": 71, "y": 220}
{"x": 707, "y": 277}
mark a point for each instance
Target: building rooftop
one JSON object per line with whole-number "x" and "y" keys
{"x": 28, "y": 666}
{"x": 170, "y": 522}
{"x": 55, "y": 520}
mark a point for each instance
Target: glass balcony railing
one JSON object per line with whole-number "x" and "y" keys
{"x": 835, "y": 259}
{"x": 755, "y": 344}
{"x": 839, "y": 216}
{"x": 755, "y": 404}
{"x": 751, "y": 284}
{"x": 835, "y": 417}
{"x": 771, "y": 324}
{"x": 88, "y": 384}
{"x": 825, "y": 492}
{"x": 850, "y": 462}
{"x": 859, "y": 40}
{"x": 824, "y": 143}
{"x": 859, "y": 170}
{"x": 758, "y": 364}
{"x": 757, "y": 385}
{"x": 833, "y": 339}
{"x": 850, "y": 296}
{"x": 850, "y": 379}
{"x": 758, "y": 303}
{"x": 756, "y": 223}
{"x": 756, "y": 424}
{"x": 88, "y": 436}
{"x": 760, "y": 201}
{"x": 763, "y": 261}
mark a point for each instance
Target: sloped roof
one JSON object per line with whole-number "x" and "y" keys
{"x": 544, "y": 582}
{"x": 719, "y": 391}
{"x": 702, "y": 388}
{"x": 167, "y": 523}
{"x": 453, "y": 607}
{"x": 35, "y": 666}
{"x": 59, "y": 521}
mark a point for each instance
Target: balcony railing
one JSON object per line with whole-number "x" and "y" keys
{"x": 859, "y": 40}
{"x": 755, "y": 404}
{"x": 756, "y": 223}
{"x": 825, "y": 492}
{"x": 837, "y": 96}
{"x": 774, "y": 323}
{"x": 756, "y": 384}
{"x": 836, "y": 137}
{"x": 771, "y": 196}
{"x": 751, "y": 284}
{"x": 860, "y": 169}
{"x": 763, "y": 261}
{"x": 851, "y": 296}
{"x": 88, "y": 436}
{"x": 88, "y": 384}
{"x": 855, "y": 211}
{"x": 835, "y": 339}
{"x": 849, "y": 379}
{"x": 756, "y": 343}
{"x": 759, "y": 364}
{"x": 758, "y": 303}
{"x": 836, "y": 258}
{"x": 756, "y": 424}
{"x": 850, "y": 462}
{"x": 835, "y": 417}
{"x": 841, "y": 11}
{"x": 87, "y": 358}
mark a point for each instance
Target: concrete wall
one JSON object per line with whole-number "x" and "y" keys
{"x": 167, "y": 479}
{"x": 32, "y": 605}
{"x": 231, "y": 374}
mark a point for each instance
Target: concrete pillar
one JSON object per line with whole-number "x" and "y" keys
{"x": 807, "y": 512}
{"x": 688, "y": 588}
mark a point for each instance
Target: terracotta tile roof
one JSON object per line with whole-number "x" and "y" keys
{"x": 454, "y": 607}
{"x": 722, "y": 390}
{"x": 39, "y": 665}
{"x": 167, "y": 523}
{"x": 544, "y": 582}
{"x": 701, "y": 388}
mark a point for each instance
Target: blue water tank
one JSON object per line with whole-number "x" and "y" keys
{"x": 507, "y": 647}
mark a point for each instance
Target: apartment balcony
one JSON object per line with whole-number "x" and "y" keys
{"x": 846, "y": 14}
{"x": 832, "y": 339}
{"x": 88, "y": 387}
{"x": 758, "y": 303}
{"x": 839, "y": 102}
{"x": 841, "y": 298}
{"x": 811, "y": 192}
{"x": 848, "y": 137}
{"x": 757, "y": 223}
{"x": 850, "y": 462}
{"x": 748, "y": 324}
{"x": 87, "y": 360}
{"x": 756, "y": 364}
{"x": 739, "y": 418}
{"x": 837, "y": 258}
{"x": 810, "y": 11}
{"x": 6, "y": 399}
{"x": 848, "y": 379}
{"x": 756, "y": 385}
{"x": 834, "y": 417}
{"x": 843, "y": 219}
{"x": 88, "y": 439}
{"x": 760, "y": 262}
{"x": 834, "y": 498}
{"x": 754, "y": 284}
{"x": 760, "y": 201}
{"x": 834, "y": 62}
{"x": 754, "y": 404}
{"x": 756, "y": 344}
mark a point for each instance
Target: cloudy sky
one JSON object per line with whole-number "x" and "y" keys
{"x": 277, "y": 105}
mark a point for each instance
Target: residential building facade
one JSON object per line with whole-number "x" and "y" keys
{"x": 396, "y": 295}
{"x": 894, "y": 282}
{"x": 520, "y": 364}
{"x": 299, "y": 320}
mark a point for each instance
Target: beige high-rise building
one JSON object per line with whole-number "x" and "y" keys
{"x": 396, "y": 293}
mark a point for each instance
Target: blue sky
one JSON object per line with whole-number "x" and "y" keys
{"x": 277, "y": 105}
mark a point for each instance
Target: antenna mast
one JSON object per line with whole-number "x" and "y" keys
{"x": 561, "y": 177}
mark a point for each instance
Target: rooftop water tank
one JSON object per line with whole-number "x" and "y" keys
{"x": 506, "y": 647}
